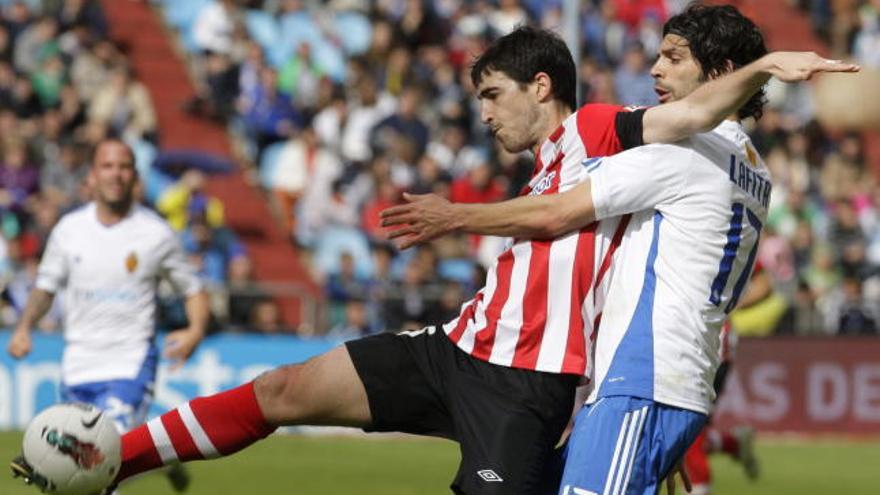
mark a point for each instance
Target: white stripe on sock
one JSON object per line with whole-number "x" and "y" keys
{"x": 203, "y": 443}
{"x": 161, "y": 441}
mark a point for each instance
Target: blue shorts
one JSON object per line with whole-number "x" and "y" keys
{"x": 126, "y": 401}
{"x": 626, "y": 446}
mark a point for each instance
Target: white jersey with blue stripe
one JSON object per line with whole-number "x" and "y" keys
{"x": 698, "y": 208}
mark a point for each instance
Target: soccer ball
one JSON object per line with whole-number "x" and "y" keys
{"x": 74, "y": 448}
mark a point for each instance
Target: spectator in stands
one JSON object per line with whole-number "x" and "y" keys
{"x": 632, "y": 80}
{"x": 387, "y": 195}
{"x": 300, "y": 77}
{"x": 355, "y": 323}
{"x": 407, "y": 307}
{"x": 342, "y": 286}
{"x": 73, "y": 13}
{"x": 304, "y": 171}
{"x": 178, "y": 203}
{"x": 25, "y": 102}
{"x": 214, "y": 247}
{"x": 90, "y": 69}
{"x": 19, "y": 177}
{"x": 866, "y": 46}
{"x": 37, "y": 42}
{"x": 479, "y": 184}
{"x": 62, "y": 177}
{"x": 266, "y": 318}
{"x": 369, "y": 108}
{"x": 244, "y": 294}
{"x": 124, "y": 106}
{"x": 268, "y": 114}
{"x": 215, "y": 98}
{"x": 214, "y": 26}
{"x": 403, "y": 124}
{"x": 857, "y": 316}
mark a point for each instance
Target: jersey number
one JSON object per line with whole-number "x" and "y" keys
{"x": 731, "y": 249}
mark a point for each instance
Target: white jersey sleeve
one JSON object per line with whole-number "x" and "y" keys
{"x": 639, "y": 179}
{"x": 175, "y": 268}
{"x": 53, "y": 270}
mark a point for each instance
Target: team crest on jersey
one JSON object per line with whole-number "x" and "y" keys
{"x": 131, "y": 262}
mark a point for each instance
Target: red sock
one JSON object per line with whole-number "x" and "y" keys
{"x": 729, "y": 444}
{"x": 204, "y": 428}
{"x": 696, "y": 462}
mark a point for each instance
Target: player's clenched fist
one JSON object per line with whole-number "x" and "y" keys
{"x": 19, "y": 344}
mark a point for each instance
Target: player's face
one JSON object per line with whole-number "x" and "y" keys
{"x": 510, "y": 111}
{"x": 113, "y": 175}
{"x": 676, "y": 73}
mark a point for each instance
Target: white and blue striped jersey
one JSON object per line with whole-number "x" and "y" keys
{"x": 698, "y": 208}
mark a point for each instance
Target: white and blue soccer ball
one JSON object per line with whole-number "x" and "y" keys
{"x": 74, "y": 447}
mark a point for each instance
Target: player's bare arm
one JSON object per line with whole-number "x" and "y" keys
{"x": 708, "y": 105}
{"x": 428, "y": 216}
{"x": 38, "y": 304}
{"x": 180, "y": 344}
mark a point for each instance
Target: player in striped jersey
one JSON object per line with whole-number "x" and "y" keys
{"x": 507, "y": 400}
{"x": 679, "y": 270}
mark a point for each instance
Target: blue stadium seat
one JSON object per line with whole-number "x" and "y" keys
{"x": 459, "y": 270}
{"x": 331, "y": 59}
{"x": 182, "y": 14}
{"x": 262, "y": 27}
{"x": 335, "y": 240}
{"x": 355, "y": 31}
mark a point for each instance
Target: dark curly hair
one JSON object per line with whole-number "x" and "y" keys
{"x": 525, "y": 52}
{"x": 720, "y": 36}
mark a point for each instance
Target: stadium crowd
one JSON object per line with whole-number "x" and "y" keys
{"x": 341, "y": 106}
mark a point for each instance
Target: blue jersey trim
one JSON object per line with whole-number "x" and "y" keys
{"x": 632, "y": 368}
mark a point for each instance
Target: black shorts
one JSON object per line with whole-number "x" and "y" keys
{"x": 506, "y": 420}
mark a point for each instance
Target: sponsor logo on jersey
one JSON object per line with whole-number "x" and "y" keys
{"x": 544, "y": 184}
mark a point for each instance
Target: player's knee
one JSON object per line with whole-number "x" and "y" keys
{"x": 278, "y": 394}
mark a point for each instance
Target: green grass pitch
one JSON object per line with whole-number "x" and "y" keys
{"x": 295, "y": 465}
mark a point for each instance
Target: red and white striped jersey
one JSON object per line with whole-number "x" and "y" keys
{"x": 543, "y": 298}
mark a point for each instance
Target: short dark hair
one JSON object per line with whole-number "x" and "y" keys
{"x": 719, "y": 36}
{"x": 527, "y": 51}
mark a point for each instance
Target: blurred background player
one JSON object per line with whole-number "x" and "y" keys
{"x": 108, "y": 257}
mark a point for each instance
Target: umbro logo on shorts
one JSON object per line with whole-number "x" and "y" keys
{"x": 489, "y": 475}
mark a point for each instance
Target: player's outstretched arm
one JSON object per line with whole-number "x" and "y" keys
{"x": 38, "y": 303}
{"x": 427, "y": 217}
{"x": 708, "y": 105}
{"x": 180, "y": 344}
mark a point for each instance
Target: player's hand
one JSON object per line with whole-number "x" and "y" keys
{"x": 678, "y": 470}
{"x": 801, "y": 66}
{"x": 20, "y": 344}
{"x": 180, "y": 344}
{"x": 423, "y": 218}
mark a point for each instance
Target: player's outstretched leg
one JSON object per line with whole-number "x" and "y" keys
{"x": 325, "y": 390}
